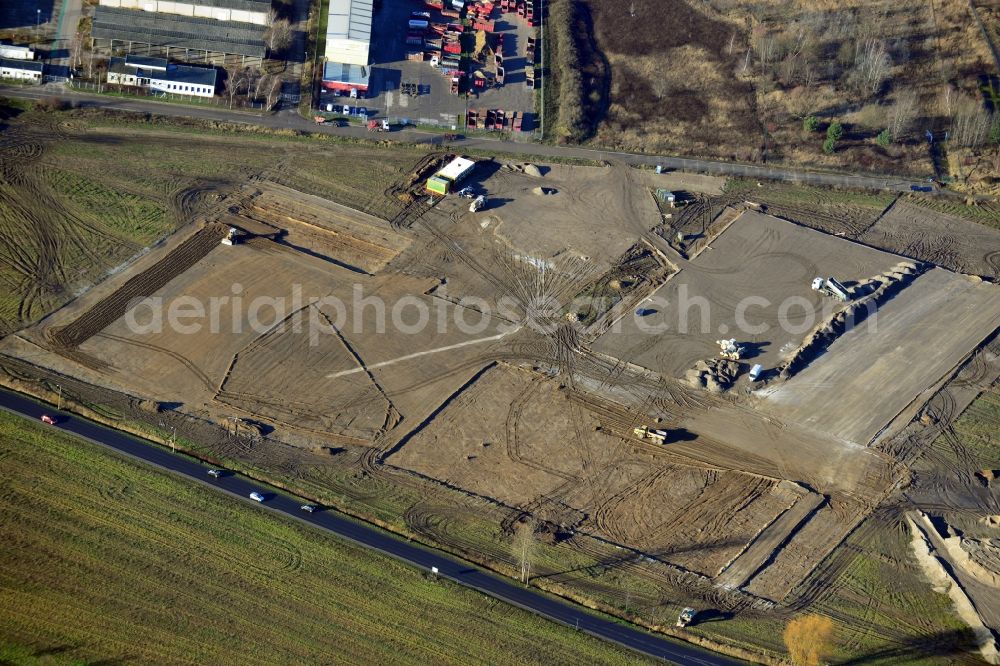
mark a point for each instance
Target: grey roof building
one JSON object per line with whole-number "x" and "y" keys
{"x": 23, "y": 65}
{"x": 181, "y": 32}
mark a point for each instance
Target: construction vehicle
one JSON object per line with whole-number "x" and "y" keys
{"x": 477, "y": 204}
{"x": 467, "y": 193}
{"x": 650, "y": 434}
{"x": 831, "y": 287}
{"x": 232, "y": 236}
{"x": 686, "y": 617}
{"x": 729, "y": 350}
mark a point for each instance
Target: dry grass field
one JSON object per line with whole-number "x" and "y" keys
{"x": 735, "y": 79}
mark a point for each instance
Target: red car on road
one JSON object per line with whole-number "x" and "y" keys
{"x": 48, "y": 419}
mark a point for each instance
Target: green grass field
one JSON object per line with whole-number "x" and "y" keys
{"x": 107, "y": 560}
{"x": 978, "y": 428}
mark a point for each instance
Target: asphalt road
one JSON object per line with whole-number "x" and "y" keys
{"x": 290, "y": 119}
{"x": 372, "y": 537}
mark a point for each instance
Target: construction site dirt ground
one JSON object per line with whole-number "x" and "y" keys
{"x": 880, "y": 366}
{"x": 759, "y": 270}
{"x": 455, "y": 434}
{"x": 589, "y": 212}
{"x": 496, "y": 439}
{"x": 282, "y": 360}
{"x": 948, "y": 241}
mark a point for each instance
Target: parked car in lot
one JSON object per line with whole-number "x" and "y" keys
{"x": 309, "y": 508}
{"x": 256, "y": 497}
{"x": 215, "y": 473}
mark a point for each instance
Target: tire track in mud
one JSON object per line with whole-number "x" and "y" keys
{"x": 195, "y": 371}
{"x": 142, "y": 285}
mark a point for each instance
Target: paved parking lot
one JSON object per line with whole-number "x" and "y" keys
{"x": 436, "y": 105}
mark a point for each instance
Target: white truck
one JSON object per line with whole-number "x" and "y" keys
{"x": 477, "y": 204}
{"x": 831, "y": 287}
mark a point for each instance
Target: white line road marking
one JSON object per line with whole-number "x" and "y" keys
{"x": 423, "y": 353}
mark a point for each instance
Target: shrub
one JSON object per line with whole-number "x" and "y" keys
{"x": 570, "y": 123}
{"x": 51, "y": 104}
{"x": 884, "y": 138}
{"x": 810, "y": 124}
{"x": 809, "y": 639}
{"x": 829, "y": 145}
{"x": 835, "y": 131}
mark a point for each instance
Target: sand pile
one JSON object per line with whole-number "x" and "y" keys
{"x": 715, "y": 374}
{"x": 869, "y": 294}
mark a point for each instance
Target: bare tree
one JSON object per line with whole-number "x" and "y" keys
{"x": 767, "y": 50}
{"x": 278, "y": 36}
{"x": 746, "y": 62}
{"x": 76, "y": 51}
{"x": 260, "y": 84}
{"x": 902, "y": 114}
{"x": 948, "y": 99}
{"x": 252, "y": 77}
{"x": 273, "y": 91}
{"x": 871, "y": 66}
{"x": 971, "y": 124}
{"x": 95, "y": 63}
{"x": 235, "y": 82}
{"x": 524, "y": 546}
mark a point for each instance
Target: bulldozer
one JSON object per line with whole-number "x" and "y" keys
{"x": 729, "y": 350}
{"x": 650, "y": 434}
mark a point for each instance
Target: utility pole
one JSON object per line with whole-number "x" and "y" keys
{"x": 59, "y": 398}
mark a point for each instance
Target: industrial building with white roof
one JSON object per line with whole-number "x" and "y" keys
{"x": 348, "y": 39}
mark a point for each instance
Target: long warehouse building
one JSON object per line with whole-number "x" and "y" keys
{"x": 211, "y": 31}
{"x": 348, "y": 40}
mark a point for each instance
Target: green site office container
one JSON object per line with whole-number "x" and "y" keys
{"x": 438, "y": 185}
